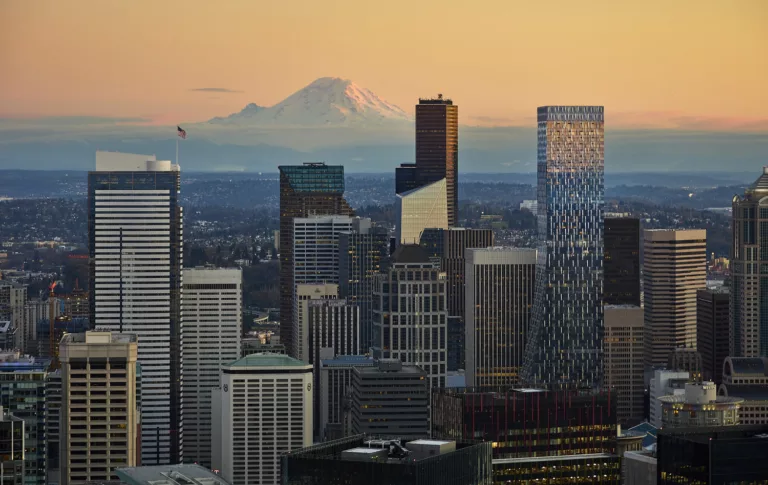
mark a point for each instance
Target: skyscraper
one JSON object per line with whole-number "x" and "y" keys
{"x": 212, "y": 324}
{"x": 305, "y": 293}
{"x": 712, "y": 331}
{"x": 309, "y": 189}
{"x": 749, "y": 286}
{"x": 674, "y": 269}
{"x": 500, "y": 284}
{"x": 11, "y": 448}
{"x": 419, "y": 209}
{"x": 624, "y": 360}
{"x": 363, "y": 254}
{"x": 136, "y": 251}
{"x": 437, "y": 147}
{"x": 262, "y": 410}
{"x": 98, "y": 376}
{"x": 410, "y": 313}
{"x": 621, "y": 266}
{"x": 566, "y": 334}
{"x": 449, "y": 247}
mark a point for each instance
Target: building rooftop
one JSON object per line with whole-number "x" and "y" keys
{"x": 747, "y": 366}
{"x": 99, "y": 338}
{"x": 761, "y": 184}
{"x": 546, "y": 459}
{"x": 411, "y": 253}
{"x": 169, "y": 475}
{"x": 268, "y": 359}
{"x": 747, "y": 392}
{"x": 649, "y": 430}
{"x": 347, "y": 360}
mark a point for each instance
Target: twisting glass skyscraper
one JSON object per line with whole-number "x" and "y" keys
{"x": 564, "y": 348}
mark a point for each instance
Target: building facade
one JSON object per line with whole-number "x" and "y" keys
{"x": 335, "y": 393}
{"x": 713, "y": 330}
{"x": 304, "y": 294}
{"x": 262, "y": 410}
{"x": 136, "y": 251}
{"x": 674, "y": 269}
{"x": 11, "y": 448}
{"x": 664, "y": 383}
{"x": 309, "y": 189}
{"x": 499, "y": 296}
{"x": 699, "y": 406}
{"x": 421, "y": 208}
{"x": 99, "y": 409}
{"x": 624, "y": 353}
{"x": 734, "y": 454}
{"x": 410, "y": 314}
{"x": 621, "y": 266}
{"x": 13, "y": 298}
{"x": 437, "y": 148}
{"x": 363, "y": 254}
{"x": 390, "y": 399}
{"x": 212, "y": 324}
{"x": 747, "y": 378}
{"x": 566, "y": 337}
{"x": 22, "y": 393}
{"x": 449, "y": 247}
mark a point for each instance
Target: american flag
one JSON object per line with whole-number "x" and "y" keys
{"x": 182, "y": 133}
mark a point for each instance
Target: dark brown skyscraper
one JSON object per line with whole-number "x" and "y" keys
{"x": 713, "y": 330}
{"x": 621, "y": 265}
{"x": 312, "y": 188}
{"x": 437, "y": 147}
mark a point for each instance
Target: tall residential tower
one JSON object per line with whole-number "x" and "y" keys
{"x": 566, "y": 335}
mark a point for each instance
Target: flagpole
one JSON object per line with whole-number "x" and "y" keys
{"x": 177, "y": 149}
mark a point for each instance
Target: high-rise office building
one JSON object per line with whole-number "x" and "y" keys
{"x": 212, "y": 325}
{"x": 566, "y": 335}
{"x": 624, "y": 360}
{"x": 334, "y": 390}
{"x": 712, "y": 330}
{"x": 421, "y": 208}
{"x": 390, "y": 399}
{"x": 747, "y": 378}
{"x": 316, "y": 247}
{"x": 674, "y": 269}
{"x": 11, "y": 448}
{"x": 437, "y": 148}
{"x": 749, "y": 283}
{"x": 621, "y": 263}
{"x": 136, "y": 251}
{"x": 500, "y": 283}
{"x": 262, "y": 410}
{"x": 304, "y": 293}
{"x": 99, "y": 411}
{"x": 449, "y": 246}
{"x": 22, "y": 393}
{"x": 363, "y": 254}
{"x": 309, "y": 189}
{"x": 410, "y": 313}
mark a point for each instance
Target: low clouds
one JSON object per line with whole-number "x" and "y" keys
{"x": 216, "y": 90}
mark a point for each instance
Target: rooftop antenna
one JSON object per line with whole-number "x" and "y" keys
{"x": 439, "y": 95}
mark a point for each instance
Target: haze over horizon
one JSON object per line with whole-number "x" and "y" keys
{"x": 678, "y": 93}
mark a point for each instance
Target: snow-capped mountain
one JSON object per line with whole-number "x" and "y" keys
{"x": 326, "y": 101}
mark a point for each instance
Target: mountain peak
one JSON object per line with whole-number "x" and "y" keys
{"x": 325, "y": 101}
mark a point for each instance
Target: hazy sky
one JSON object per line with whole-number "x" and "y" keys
{"x": 689, "y": 63}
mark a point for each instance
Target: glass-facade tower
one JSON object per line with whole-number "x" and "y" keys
{"x": 564, "y": 348}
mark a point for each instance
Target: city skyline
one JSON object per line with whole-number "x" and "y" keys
{"x": 664, "y": 54}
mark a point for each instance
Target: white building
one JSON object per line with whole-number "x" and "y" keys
{"x": 262, "y": 410}
{"x": 211, "y": 327}
{"x": 665, "y": 383}
{"x": 303, "y": 294}
{"x": 419, "y": 209}
{"x": 499, "y": 297}
{"x": 99, "y": 411}
{"x": 530, "y": 205}
{"x": 136, "y": 250}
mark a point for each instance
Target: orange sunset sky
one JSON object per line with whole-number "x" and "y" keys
{"x": 652, "y": 63}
